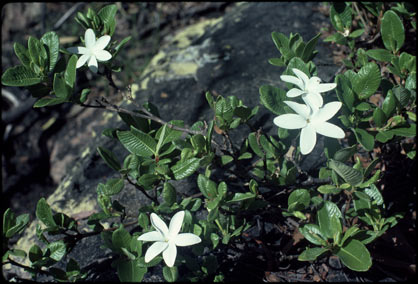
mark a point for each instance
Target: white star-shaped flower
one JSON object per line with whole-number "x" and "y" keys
{"x": 93, "y": 52}
{"x": 311, "y": 122}
{"x": 309, "y": 88}
{"x": 167, "y": 239}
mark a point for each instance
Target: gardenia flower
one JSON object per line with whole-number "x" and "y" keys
{"x": 93, "y": 52}
{"x": 167, "y": 239}
{"x": 309, "y": 88}
{"x": 311, "y": 122}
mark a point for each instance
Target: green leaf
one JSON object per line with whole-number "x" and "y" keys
{"x": 206, "y": 186}
{"x": 22, "y": 53}
{"x": 242, "y": 196}
{"x": 137, "y": 142}
{"x": 70, "y": 71}
{"x": 380, "y": 54}
{"x": 392, "y": 31}
{"x": 367, "y": 80}
{"x": 131, "y": 270}
{"x": 51, "y": 40}
{"x": 364, "y": 138}
{"x": 299, "y": 199}
{"x": 113, "y": 186}
{"x": 122, "y": 43}
{"x": 384, "y": 136}
{"x": 107, "y": 15}
{"x": 9, "y": 220}
{"x": 389, "y": 104}
{"x": 44, "y": 213}
{"x": 379, "y": 117}
{"x": 171, "y": 274}
{"x": 110, "y": 159}
{"x": 60, "y": 88}
{"x": 34, "y": 47}
{"x": 252, "y": 140}
{"x": 344, "y": 154}
{"x": 226, "y": 159}
{"x": 350, "y": 175}
{"x": 355, "y": 256}
{"x": 35, "y": 253}
{"x": 20, "y": 76}
{"x": 272, "y": 98}
{"x": 329, "y": 219}
{"x": 183, "y": 169}
{"x": 405, "y": 132}
{"x": 121, "y": 238}
{"x": 20, "y": 223}
{"x": 313, "y": 234}
{"x": 169, "y": 194}
{"x": 402, "y": 94}
{"x": 57, "y": 250}
{"x": 310, "y": 254}
{"x": 308, "y": 51}
{"x": 47, "y": 101}
{"x": 344, "y": 91}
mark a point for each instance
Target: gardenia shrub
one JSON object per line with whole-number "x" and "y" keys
{"x": 158, "y": 152}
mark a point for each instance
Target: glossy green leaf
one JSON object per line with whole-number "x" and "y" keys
{"x": 389, "y": 104}
{"x": 47, "y": 101}
{"x": 379, "y": 117}
{"x": 169, "y": 194}
{"x": 137, "y": 142}
{"x": 183, "y": 169}
{"x": 20, "y": 76}
{"x": 121, "y": 238}
{"x": 110, "y": 159}
{"x": 299, "y": 199}
{"x": 367, "y": 80}
{"x": 364, "y": 138}
{"x": 170, "y": 274}
{"x": 329, "y": 219}
{"x": 311, "y": 254}
{"x": 272, "y": 98}
{"x": 380, "y": 54}
{"x": 313, "y": 234}
{"x": 57, "y": 250}
{"x": 308, "y": 51}
{"x": 60, "y": 88}
{"x": 44, "y": 213}
{"x": 113, "y": 186}
{"x": 355, "y": 256}
{"x": 70, "y": 71}
{"x": 206, "y": 186}
{"x": 344, "y": 154}
{"x": 349, "y": 174}
{"x": 242, "y": 196}
{"x": 131, "y": 270}
{"x": 344, "y": 91}
{"x": 392, "y": 31}
{"x": 51, "y": 40}
{"x": 22, "y": 53}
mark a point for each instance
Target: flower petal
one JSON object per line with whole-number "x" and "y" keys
{"x": 293, "y": 80}
{"x": 153, "y": 236}
{"x": 307, "y": 139}
{"x": 326, "y": 87}
{"x": 186, "y": 239}
{"x": 290, "y": 121}
{"x": 294, "y": 93}
{"x": 102, "y": 55}
{"x": 330, "y": 130}
{"x": 154, "y": 250}
{"x": 170, "y": 254}
{"x": 301, "y": 75}
{"x": 175, "y": 224}
{"x": 82, "y": 60}
{"x": 101, "y": 43}
{"x": 314, "y": 100}
{"x": 89, "y": 38}
{"x": 159, "y": 224}
{"x": 326, "y": 112}
{"x": 300, "y": 109}
{"x": 93, "y": 64}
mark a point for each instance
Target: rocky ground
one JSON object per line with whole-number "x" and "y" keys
{"x": 42, "y": 147}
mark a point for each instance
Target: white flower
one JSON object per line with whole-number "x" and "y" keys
{"x": 93, "y": 52}
{"x": 309, "y": 88}
{"x": 311, "y": 122}
{"x": 167, "y": 239}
